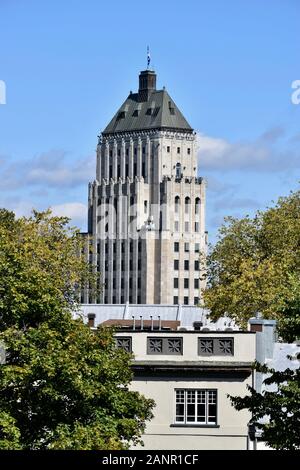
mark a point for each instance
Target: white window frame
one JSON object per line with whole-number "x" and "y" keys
{"x": 197, "y": 392}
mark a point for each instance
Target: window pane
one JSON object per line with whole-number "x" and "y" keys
{"x": 201, "y": 413}
{"x": 212, "y": 414}
{"x": 180, "y": 412}
{"x": 212, "y": 406}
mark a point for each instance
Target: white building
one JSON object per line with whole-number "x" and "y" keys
{"x": 146, "y": 205}
{"x": 188, "y": 365}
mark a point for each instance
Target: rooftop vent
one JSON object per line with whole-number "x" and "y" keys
{"x": 197, "y": 325}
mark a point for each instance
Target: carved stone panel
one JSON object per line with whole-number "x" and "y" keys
{"x": 124, "y": 343}
{"x": 215, "y": 346}
{"x": 166, "y": 346}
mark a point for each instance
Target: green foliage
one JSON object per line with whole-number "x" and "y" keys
{"x": 280, "y": 408}
{"x": 62, "y": 386}
{"x": 39, "y": 268}
{"x": 255, "y": 267}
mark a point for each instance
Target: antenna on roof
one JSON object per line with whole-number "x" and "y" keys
{"x": 148, "y": 57}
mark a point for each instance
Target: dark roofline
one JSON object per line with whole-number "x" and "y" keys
{"x": 147, "y": 129}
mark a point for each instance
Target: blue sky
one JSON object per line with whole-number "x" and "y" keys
{"x": 229, "y": 66}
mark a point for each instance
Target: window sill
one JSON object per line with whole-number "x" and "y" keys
{"x": 194, "y": 425}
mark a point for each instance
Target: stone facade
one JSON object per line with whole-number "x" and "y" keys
{"x": 147, "y": 205}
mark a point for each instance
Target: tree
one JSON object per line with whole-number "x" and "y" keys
{"x": 255, "y": 267}
{"x": 277, "y": 411}
{"x": 62, "y": 386}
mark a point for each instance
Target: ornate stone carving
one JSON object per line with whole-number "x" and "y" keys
{"x": 124, "y": 343}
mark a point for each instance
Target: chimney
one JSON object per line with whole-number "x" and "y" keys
{"x": 147, "y": 84}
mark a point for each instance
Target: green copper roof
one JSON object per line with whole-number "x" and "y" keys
{"x": 158, "y": 112}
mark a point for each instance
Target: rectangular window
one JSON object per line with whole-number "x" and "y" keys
{"x": 197, "y": 227}
{"x": 175, "y": 282}
{"x": 186, "y": 247}
{"x": 186, "y": 226}
{"x": 175, "y": 300}
{"x": 186, "y": 265}
{"x": 196, "y": 300}
{"x": 178, "y": 149}
{"x": 176, "y": 264}
{"x": 196, "y": 265}
{"x": 176, "y": 247}
{"x": 185, "y": 300}
{"x": 196, "y": 406}
{"x": 168, "y": 149}
{"x": 196, "y": 283}
{"x": 186, "y": 283}
{"x": 176, "y": 226}
{"x": 189, "y": 151}
{"x": 145, "y": 207}
{"x": 197, "y": 247}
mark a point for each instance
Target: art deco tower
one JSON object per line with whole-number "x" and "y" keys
{"x": 147, "y": 205}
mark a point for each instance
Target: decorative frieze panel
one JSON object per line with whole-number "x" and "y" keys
{"x": 215, "y": 347}
{"x": 124, "y": 343}
{"x": 166, "y": 346}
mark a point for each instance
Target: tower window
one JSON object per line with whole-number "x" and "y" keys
{"x": 178, "y": 171}
{"x": 196, "y": 265}
{"x": 175, "y": 282}
{"x": 176, "y": 247}
{"x": 197, "y": 226}
{"x": 187, "y": 205}
{"x": 186, "y": 283}
{"x": 176, "y": 264}
{"x": 177, "y": 204}
{"x": 178, "y": 149}
{"x": 197, "y": 247}
{"x": 186, "y": 265}
{"x": 189, "y": 151}
{"x": 185, "y": 300}
{"x": 168, "y": 149}
{"x": 197, "y": 205}
{"x": 186, "y": 247}
{"x": 196, "y": 283}
{"x": 175, "y": 300}
{"x": 176, "y": 226}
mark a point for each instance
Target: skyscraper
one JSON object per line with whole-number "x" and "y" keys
{"x": 146, "y": 222}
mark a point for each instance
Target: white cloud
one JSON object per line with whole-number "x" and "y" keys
{"x": 76, "y": 211}
{"x": 53, "y": 169}
{"x": 259, "y": 155}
